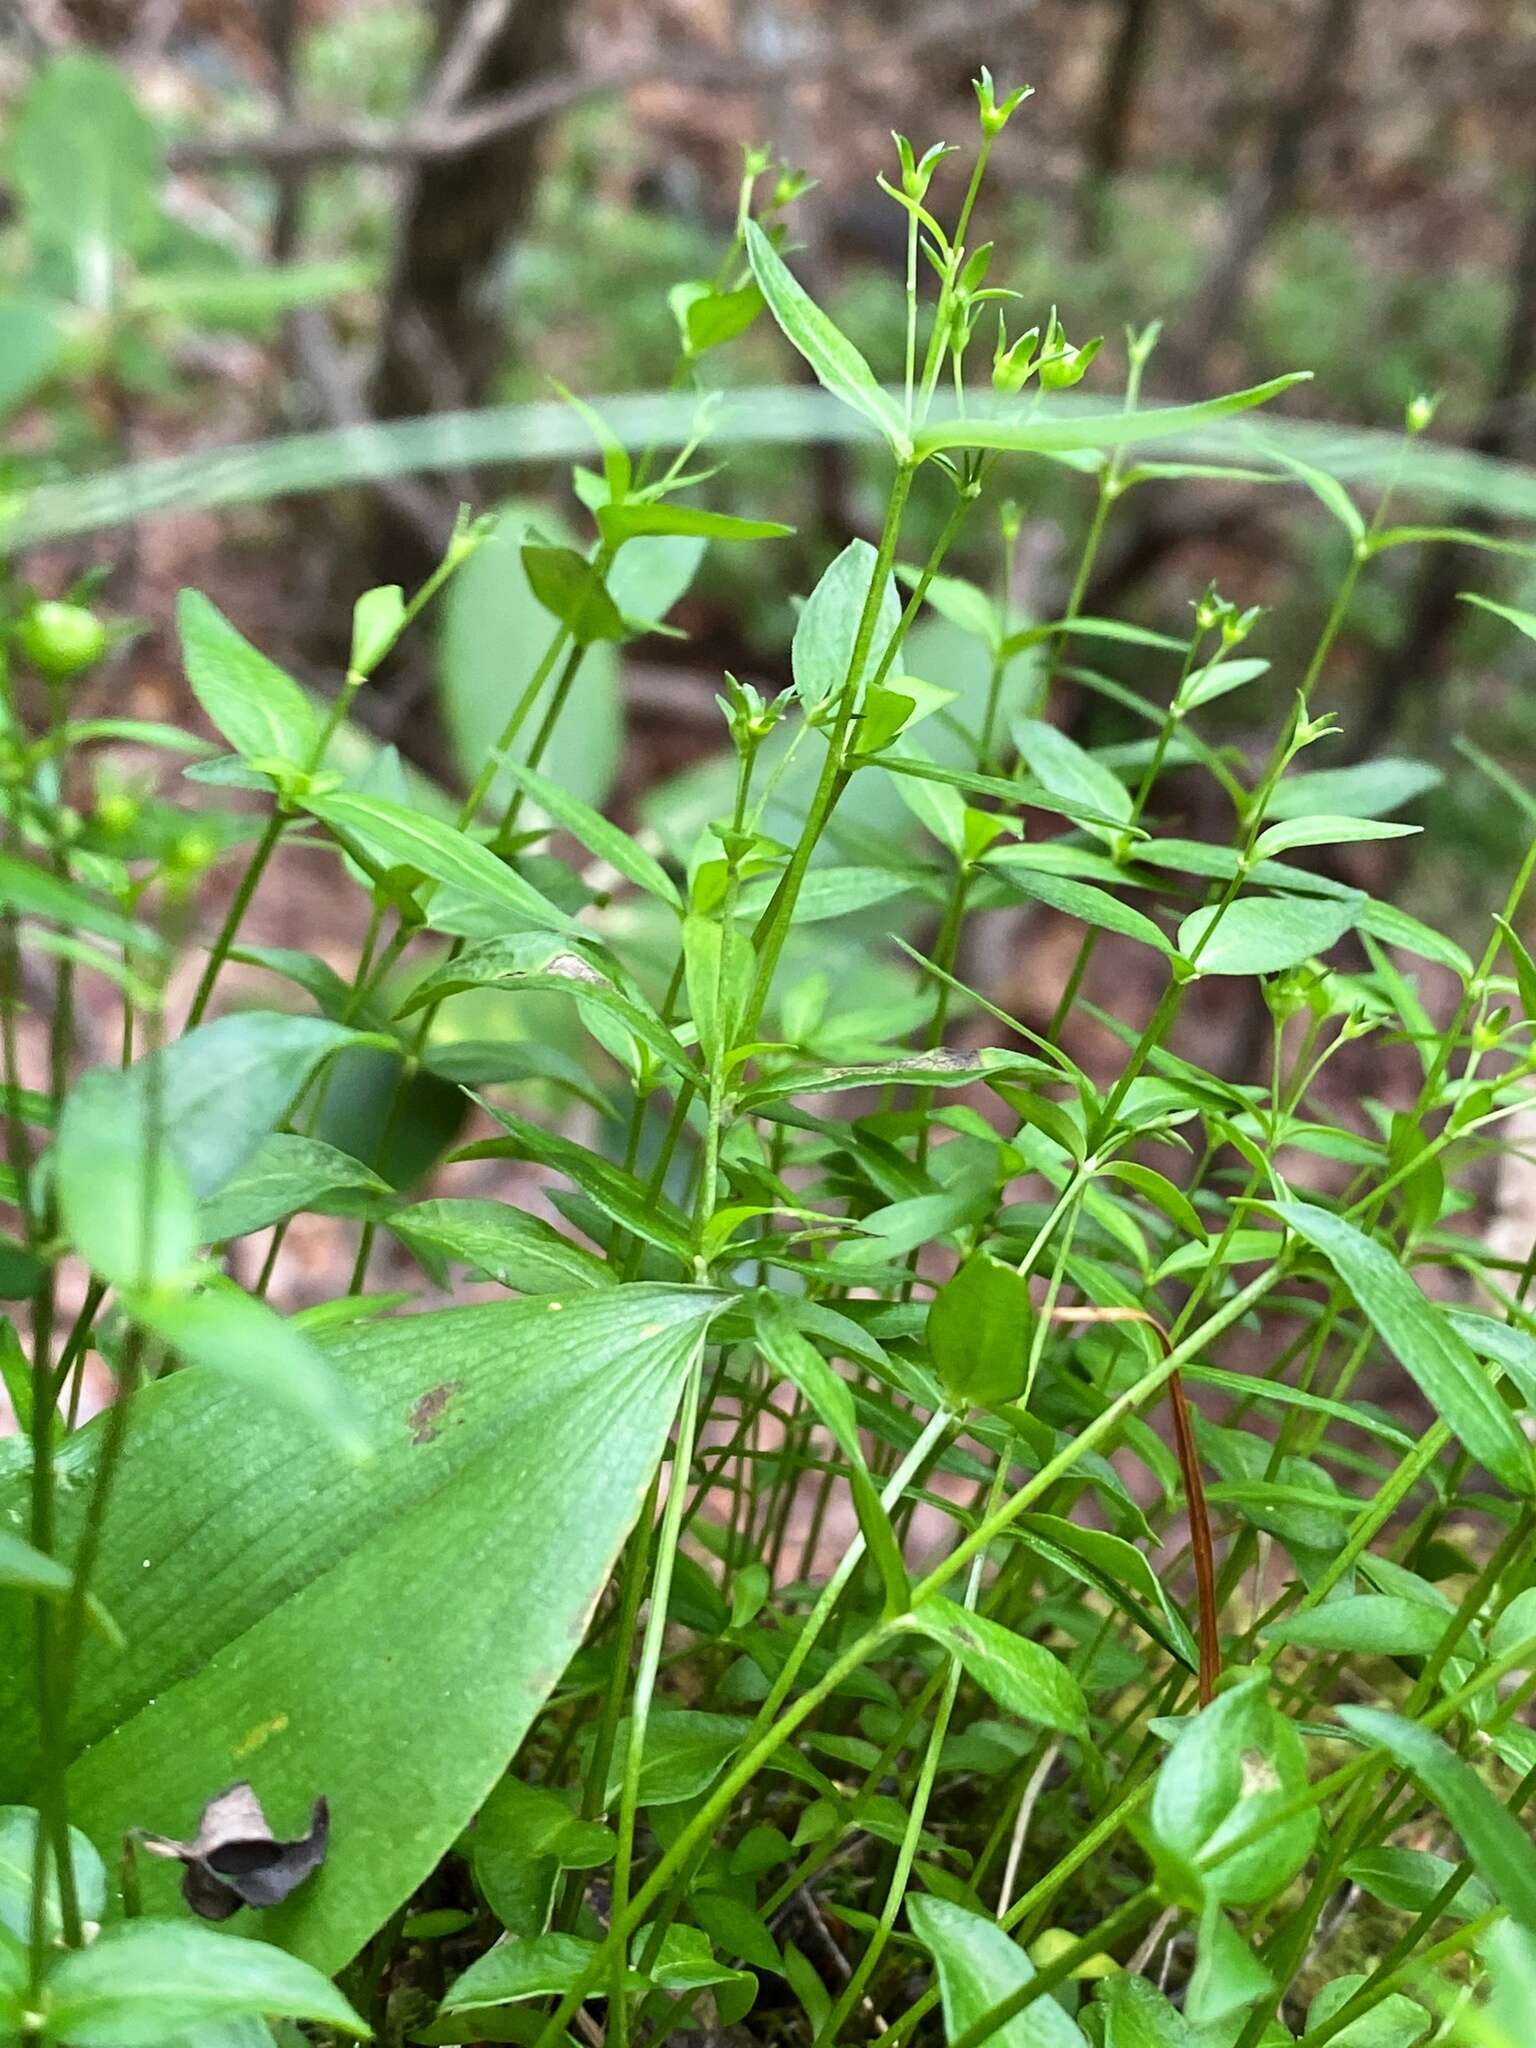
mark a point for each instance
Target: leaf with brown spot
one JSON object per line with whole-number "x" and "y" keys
{"x": 426, "y": 1411}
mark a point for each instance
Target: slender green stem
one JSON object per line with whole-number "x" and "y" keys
{"x": 645, "y": 1686}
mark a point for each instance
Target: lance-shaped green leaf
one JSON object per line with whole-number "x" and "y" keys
{"x": 1523, "y": 622}
{"x": 537, "y": 966}
{"x": 1037, "y": 436}
{"x": 1077, "y": 899}
{"x": 1322, "y": 830}
{"x": 401, "y": 837}
{"x": 1430, "y": 1349}
{"x": 597, "y": 834}
{"x": 1367, "y": 791}
{"x": 837, "y": 363}
{"x": 293, "y": 1618}
{"x": 500, "y": 1243}
{"x": 827, "y": 630}
{"x": 284, "y": 1174}
{"x": 1265, "y": 934}
{"x": 793, "y": 1354}
{"x": 262, "y": 712}
{"x": 1500, "y": 1849}
{"x": 32, "y": 891}
{"x": 618, "y": 523}
{"x": 621, "y": 1196}
{"x": 1022, "y": 1676}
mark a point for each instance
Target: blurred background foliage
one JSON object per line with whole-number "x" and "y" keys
{"x": 232, "y": 220}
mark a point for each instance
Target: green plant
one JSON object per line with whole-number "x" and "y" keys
{"x": 100, "y": 280}
{"x": 554, "y": 1602}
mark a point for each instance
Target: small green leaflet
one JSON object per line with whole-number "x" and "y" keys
{"x": 1022, "y": 1676}
{"x": 1367, "y": 791}
{"x": 568, "y": 585}
{"x": 618, "y": 523}
{"x": 838, "y": 365}
{"x": 822, "y": 651}
{"x": 1080, "y": 900}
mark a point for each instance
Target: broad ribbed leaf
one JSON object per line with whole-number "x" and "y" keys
{"x": 383, "y": 1635}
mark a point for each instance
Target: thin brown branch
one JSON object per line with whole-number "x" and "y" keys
{"x": 1201, "y": 1546}
{"x": 1199, "y": 1539}
{"x": 421, "y": 139}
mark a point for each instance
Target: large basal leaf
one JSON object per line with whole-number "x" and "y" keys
{"x": 151, "y": 1980}
{"x": 774, "y": 415}
{"x": 383, "y": 1637}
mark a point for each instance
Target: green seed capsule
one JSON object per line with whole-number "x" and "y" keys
{"x": 61, "y": 639}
